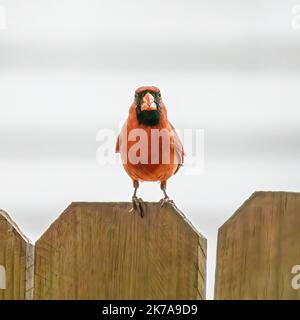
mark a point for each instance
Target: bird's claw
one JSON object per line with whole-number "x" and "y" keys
{"x": 166, "y": 200}
{"x": 137, "y": 205}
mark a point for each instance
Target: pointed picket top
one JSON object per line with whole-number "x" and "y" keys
{"x": 258, "y": 251}
{"x": 101, "y": 250}
{"x": 16, "y": 261}
{"x": 7, "y": 217}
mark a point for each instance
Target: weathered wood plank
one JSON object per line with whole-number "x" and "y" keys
{"x": 101, "y": 251}
{"x": 15, "y": 251}
{"x": 257, "y": 248}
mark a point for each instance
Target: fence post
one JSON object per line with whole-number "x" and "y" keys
{"x": 16, "y": 261}
{"x": 258, "y": 249}
{"x": 102, "y": 251}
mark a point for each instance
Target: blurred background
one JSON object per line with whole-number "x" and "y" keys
{"x": 69, "y": 69}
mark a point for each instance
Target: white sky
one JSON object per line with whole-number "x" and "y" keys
{"x": 69, "y": 69}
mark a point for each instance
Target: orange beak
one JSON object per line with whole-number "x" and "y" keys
{"x": 148, "y": 102}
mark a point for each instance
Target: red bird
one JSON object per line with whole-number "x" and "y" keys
{"x": 148, "y": 143}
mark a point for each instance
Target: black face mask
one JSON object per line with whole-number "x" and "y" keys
{"x": 148, "y": 117}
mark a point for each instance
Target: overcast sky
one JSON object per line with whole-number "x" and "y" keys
{"x": 69, "y": 69}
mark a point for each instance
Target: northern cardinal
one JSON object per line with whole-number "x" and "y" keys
{"x": 148, "y": 143}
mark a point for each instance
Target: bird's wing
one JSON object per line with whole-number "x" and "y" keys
{"x": 118, "y": 144}
{"x": 178, "y": 149}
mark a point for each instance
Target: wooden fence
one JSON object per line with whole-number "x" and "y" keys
{"x": 102, "y": 251}
{"x": 259, "y": 249}
{"x": 16, "y": 261}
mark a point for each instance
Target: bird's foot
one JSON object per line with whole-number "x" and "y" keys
{"x": 166, "y": 201}
{"x": 137, "y": 205}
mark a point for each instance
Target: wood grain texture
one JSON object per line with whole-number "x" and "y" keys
{"x": 257, "y": 248}
{"x": 14, "y": 252}
{"x": 101, "y": 251}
